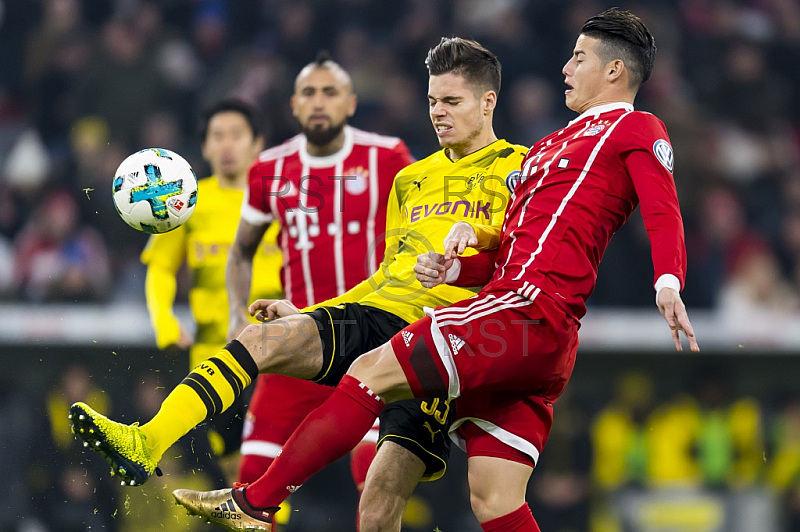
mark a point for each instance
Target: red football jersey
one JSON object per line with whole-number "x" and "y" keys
{"x": 331, "y": 210}
{"x": 576, "y": 188}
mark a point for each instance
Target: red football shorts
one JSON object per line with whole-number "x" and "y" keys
{"x": 504, "y": 357}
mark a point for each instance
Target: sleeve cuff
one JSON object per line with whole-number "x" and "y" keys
{"x": 667, "y": 280}
{"x": 253, "y": 216}
{"x": 452, "y": 274}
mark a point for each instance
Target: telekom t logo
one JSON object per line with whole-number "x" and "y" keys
{"x": 303, "y": 226}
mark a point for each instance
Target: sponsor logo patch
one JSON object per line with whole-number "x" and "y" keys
{"x": 175, "y": 205}
{"x": 512, "y": 180}
{"x": 407, "y": 336}
{"x": 475, "y": 209}
{"x": 456, "y": 343}
{"x": 663, "y": 152}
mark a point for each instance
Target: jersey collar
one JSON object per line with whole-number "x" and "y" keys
{"x": 600, "y": 109}
{"x": 329, "y": 160}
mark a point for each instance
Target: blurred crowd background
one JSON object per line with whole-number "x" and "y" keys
{"x": 84, "y": 83}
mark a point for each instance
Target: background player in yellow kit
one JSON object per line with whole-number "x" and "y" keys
{"x": 231, "y": 138}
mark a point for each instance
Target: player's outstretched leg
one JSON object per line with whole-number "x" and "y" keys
{"x": 132, "y": 451}
{"x": 122, "y": 446}
{"x": 210, "y": 389}
{"x": 227, "y": 508}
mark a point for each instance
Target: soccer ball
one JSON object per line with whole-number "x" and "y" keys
{"x": 155, "y": 190}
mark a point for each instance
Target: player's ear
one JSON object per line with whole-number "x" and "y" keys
{"x": 489, "y": 101}
{"x": 615, "y": 69}
{"x": 293, "y": 103}
{"x": 258, "y": 143}
{"x": 351, "y": 105}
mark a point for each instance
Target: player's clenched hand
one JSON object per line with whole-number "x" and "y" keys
{"x": 271, "y": 309}
{"x": 460, "y": 237}
{"x": 431, "y": 268}
{"x": 674, "y": 311}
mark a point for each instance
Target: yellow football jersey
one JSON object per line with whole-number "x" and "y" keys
{"x": 427, "y": 198}
{"x": 203, "y": 242}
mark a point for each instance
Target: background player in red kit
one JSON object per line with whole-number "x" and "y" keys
{"x": 508, "y": 352}
{"x": 328, "y": 187}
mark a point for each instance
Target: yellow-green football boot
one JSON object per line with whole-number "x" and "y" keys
{"x": 122, "y": 446}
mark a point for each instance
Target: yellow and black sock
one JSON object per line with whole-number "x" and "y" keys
{"x": 208, "y": 390}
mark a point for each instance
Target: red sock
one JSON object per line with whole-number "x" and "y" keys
{"x": 520, "y": 520}
{"x": 252, "y": 467}
{"x": 327, "y": 433}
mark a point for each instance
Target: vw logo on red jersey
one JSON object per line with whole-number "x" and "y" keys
{"x": 663, "y": 152}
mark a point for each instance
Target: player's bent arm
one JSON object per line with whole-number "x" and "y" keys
{"x": 239, "y": 272}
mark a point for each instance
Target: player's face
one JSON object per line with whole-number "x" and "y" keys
{"x": 322, "y": 102}
{"x": 457, "y": 113}
{"x": 230, "y": 146}
{"x": 584, "y": 75}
